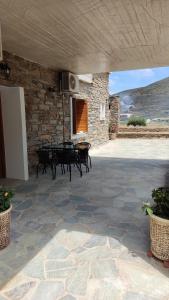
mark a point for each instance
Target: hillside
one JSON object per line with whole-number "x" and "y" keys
{"x": 151, "y": 101}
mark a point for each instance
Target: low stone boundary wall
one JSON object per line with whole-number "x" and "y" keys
{"x": 143, "y": 129}
{"x": 148, "y": 135}
{"x": 143, "y": 132}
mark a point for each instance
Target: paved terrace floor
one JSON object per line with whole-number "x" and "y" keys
{"x": 87, "y": 240}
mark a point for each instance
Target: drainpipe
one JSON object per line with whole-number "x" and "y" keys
{"x": 63, "y": 109}
{"x": 63, "y": 121}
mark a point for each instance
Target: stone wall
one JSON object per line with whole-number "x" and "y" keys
{"x": 44, "y": 114}
{"x": 44, "y": 110}
{"x": 96, "y": 93}
{"x": 114, "y": 116}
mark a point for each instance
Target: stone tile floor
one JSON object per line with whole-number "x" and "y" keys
{"x": 87, "y": 240}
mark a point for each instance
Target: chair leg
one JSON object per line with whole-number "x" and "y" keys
{"x": 44, "y": 169}
{"x": 90, "y": 161}
{"x": 70, "y": 171}
{"x": 51, "y": 166}
{"x": 54, "y": 172}
{"x": 37, "y": 170}
{"x": 79, "y": 167}
{"x": 87, "y": 168}
{"x": 87, "y": 165}
{"x": 53, "y": 169}
{"x": 61, "y": 169}
{"x": 81, "y": 174}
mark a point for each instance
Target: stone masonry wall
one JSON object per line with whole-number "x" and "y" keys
{"x": 96, "y": 93}
{"x": 44, "y": 115}
{"x": 114, "y": 116}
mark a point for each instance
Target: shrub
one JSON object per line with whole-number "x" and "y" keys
{"x": 160, "y": 207}
{"x": 5, "y": 198}
{"x": 136, "y": 121}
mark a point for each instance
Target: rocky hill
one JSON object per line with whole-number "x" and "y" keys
{"x": 151, "y": 101}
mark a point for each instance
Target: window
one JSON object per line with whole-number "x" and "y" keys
{"x": 102, "y": 111}
{"x": 79, "y": 116}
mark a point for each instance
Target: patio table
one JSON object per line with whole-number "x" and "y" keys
{"x": 64, "y": 155}
{"x": 55, "y": 146}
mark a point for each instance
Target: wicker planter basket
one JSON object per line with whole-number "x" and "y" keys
{"x": 5, "y": 221}
{"x": 159, "y": 235}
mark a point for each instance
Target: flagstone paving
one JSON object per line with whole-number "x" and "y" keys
{"x": 87, "y": 240}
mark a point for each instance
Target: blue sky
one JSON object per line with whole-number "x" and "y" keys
{"x": 125, "y": 80}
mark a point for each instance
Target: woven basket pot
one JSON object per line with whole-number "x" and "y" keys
{"x": 159, "y": 235}
{"x": 5, "y": 221}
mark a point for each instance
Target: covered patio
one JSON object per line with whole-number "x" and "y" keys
{"x": 88, "y": 239}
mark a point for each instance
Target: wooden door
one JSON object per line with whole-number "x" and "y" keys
{"x": 80, "y": 116}
{"x": 2, "y": 149}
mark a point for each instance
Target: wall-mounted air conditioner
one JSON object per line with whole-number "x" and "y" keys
{"x": 69, "y": 83}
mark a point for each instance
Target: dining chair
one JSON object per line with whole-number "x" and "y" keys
{"x": 67, "y": 157}
{"x": 44, "y": 160}
{"x": 83, "y": 150}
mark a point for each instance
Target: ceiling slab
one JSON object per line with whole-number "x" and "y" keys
{"x": 87, "y": 36}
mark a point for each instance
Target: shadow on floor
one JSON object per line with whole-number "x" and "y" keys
{"x": 97, "y": 216}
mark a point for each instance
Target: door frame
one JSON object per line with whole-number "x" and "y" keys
{"x": 14, "y": 128}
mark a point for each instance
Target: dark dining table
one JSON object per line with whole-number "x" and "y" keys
{"x": 55, "y": 146}
{"x": 62, "y": 146}
{"x": 63, "y": 154}
{"x": 68, "y": 154}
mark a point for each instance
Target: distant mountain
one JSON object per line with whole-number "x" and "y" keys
{"x": 151, "y": 101}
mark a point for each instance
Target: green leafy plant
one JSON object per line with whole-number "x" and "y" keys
{"x": 5, "y": 198}
{"x": 136, "y": 121}
{"x": 160, "y": 207}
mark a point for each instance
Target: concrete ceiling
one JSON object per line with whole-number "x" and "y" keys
{"x": 87, "y": 36}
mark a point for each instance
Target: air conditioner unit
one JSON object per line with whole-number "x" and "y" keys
{"x": 69, "y": 83}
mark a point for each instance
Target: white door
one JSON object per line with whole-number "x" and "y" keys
{"x": 14, "y": 127}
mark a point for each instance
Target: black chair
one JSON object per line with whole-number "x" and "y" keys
{"x": 44, "y": 160}
{"x": 66, "y": 157}
{"x": 83, "y": 150}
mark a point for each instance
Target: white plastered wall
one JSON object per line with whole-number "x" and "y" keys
{"x": 14, "y": 127}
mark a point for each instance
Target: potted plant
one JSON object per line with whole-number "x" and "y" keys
{"x": 159, "y": 223}
{"x": 5, "y": 216}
